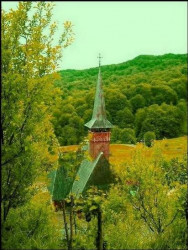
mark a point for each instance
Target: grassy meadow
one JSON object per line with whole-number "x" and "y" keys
{"x": 121, "y": 153}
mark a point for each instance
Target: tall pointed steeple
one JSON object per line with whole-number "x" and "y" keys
{"x": 99, "y": 120}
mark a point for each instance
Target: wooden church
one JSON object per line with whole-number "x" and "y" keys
{"x": 94, "y": 172}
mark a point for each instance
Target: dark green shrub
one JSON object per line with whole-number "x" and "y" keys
{"x": 149, "y": 137}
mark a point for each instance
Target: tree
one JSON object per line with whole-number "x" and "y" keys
{"x": 68, "y": 136}
{"x": 31, "y": 226}
{"x": 145, "y": 91}
{"x": 182, "y": 107}
{"x": 165, "y": 121}
{"x": 156, "y": 207}
{"x": 149, "y": 137}
{"x": 140, "y": 116}
{"x": 137, "y": 102}
{"x": 116, "y": 135}
{"x": 29, "y": 61}
{"x": 179, "y": 86}
{"x": 91, "y": 205}
{"x": 128, "y": 136}
{"x": 125, "y": 118}
{"x": 162, "y": 93}
{"x": 115, "y": 101}
{"x": 87, "y": 115}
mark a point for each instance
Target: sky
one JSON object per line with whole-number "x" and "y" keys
{"x": 120, "y": 31}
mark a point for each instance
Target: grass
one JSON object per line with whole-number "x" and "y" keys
{"x": 171, "y": 148}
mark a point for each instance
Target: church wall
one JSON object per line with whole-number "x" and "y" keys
{"x": 99, "y": 142}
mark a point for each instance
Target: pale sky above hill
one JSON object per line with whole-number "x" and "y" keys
{"x": 120, "y": 31}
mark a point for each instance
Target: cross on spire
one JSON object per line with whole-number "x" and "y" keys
{"x": 99, "y": 59}
{"x": 99, "y": 119}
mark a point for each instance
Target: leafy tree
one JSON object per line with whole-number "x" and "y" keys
{"x": 159, "y": 207}
{"x": 149, "y": 137}
{"x": 115, "y": 101}
{"x": 63, "y": 119}
{"x": 179, "y": 86}
{"x": 29, "y": 62}
{"x": 175, "y": 171}
{"x": 89, "y": 98}
{"x": 140, "y": 116}
{"x": 34, "y": 227}
{"x": 147, "y": 217}
{"x": 182, "y": 109}
{"x": 128, "y": 136}
{"x": 144, "y": 90}
{"x": 164, "y": 120}
{"x": 81, "y": 109}
{"x": 116, "y": 135}
{"x": 162, "y": 93}
{"x": 67, "y": 107}
{"x": 137, "y": 102}
{"x": 125, "y": 118}
{"x": 87, "y": 115}
{"x": 68, "y": 136}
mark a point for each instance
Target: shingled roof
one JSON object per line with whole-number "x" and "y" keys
{"x": 99, "y": 119}
{"x": 61, "y": 185}
{"x": 84, "y": 173}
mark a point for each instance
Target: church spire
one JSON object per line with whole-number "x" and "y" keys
{"x": 99, "y": 119}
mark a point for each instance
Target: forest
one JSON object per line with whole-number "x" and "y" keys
{"x": 146, "y": 94}
{"x": 44, "y": 110}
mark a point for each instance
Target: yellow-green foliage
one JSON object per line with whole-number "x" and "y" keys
{"x": 146, "y": 208}
{"x": 36, "y": 226}
{"x": 30, "y": 56}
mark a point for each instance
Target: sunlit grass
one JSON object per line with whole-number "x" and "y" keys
{"x": 171, "y": 148}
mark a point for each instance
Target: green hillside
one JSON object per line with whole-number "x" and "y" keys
{"x": 149, "y": 65}
{"x": 145, "y": 94}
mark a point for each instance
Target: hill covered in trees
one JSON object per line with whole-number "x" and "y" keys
{"x": 146, "y": 94}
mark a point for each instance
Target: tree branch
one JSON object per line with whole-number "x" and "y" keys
{"x": 171, "y": 221}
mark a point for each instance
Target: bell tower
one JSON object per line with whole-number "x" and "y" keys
{"x": 99, "y": 126}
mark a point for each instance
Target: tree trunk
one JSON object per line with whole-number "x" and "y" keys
{"x": 186, "y": 215}
{"x": 71, "y": 224}
{"x": 99, "y": 241}
{"x": 65, "y": 223}
{"x": 6, "y": 209}
{"x": 75, "y": 227}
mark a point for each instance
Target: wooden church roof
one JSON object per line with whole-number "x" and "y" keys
{"x": 96, "y": 172}
{"x": 61, "y": 185}
{"x": 83, "y": 175}
{"x": 99, "y": 119}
